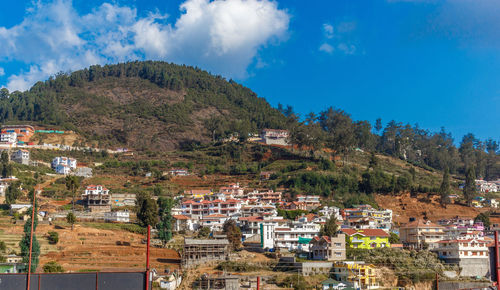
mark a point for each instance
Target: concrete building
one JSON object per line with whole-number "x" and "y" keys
{"x": 23, "y": 132}
{"x": 356, "y": 273}
{"x": 96, "y": 198}
{"x": 123, "y": 199}
{"x": 367, "y": 239}
{"x": 21, "y": 156}
{"x": 8, "y": 137}
{"x": 203, "y": 251}
{"x": 471, "y": 255}
{"x": 367, "y": 217}
{"x": 311, "y": 201}
{"x": 418, "y": 234}
{"x": 274, "y": 137}
{"x": 183, "y": 223}
{"x": 83, "y": 172}
{"x": 328, "y": 248}
{"x": 117, "y": 216}
{"x": 293, "y": 237}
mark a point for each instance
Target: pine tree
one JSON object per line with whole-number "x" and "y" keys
{"x": 147, "y": 210}
{"x": 470, "y": 185}
{"x": 330, "y": 228}
{"x": 165, "y": 225}
{"x": 444, "y": 190}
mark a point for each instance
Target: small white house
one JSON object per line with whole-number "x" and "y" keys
{"x": 21, "y": 156}
{"x": 117, "y": 216}
{"x": 70, "y": 162}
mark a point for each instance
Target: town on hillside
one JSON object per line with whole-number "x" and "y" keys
{"x": 241, "y": 234}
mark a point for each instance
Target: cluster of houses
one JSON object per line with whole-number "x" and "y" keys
{"x": 484, "y": 186}
{"x": 69, "y": 166}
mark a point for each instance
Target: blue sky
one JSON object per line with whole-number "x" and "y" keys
{"x": 435, "y": 63}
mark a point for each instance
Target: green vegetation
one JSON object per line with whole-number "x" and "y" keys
{"x": 147, "y": 210}
{"x": 330, "y": 228}
{"x": 52, "y": 267}
{"x": 26, "y": 241}
{"x": 233, "y": 233}
{"x": 53, "y": 237}
{"x": 242, "y": 266}
{"x": 71, "y": 219}
{"x": 407, "y": 265}
{"x": 165, "y": 225}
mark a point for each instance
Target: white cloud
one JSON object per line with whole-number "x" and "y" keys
{"x": 339, "y": 38}
{"x": 223, "y": 36}
{"x": 2, "y": 72}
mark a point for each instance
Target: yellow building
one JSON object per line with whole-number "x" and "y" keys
{"x": 356, "y": 274}
{"x": 367, "y": 238}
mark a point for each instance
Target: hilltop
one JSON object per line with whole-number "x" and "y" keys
{"x": 143, "y": 105}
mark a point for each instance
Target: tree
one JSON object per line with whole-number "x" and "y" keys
{"x": 483, "y": 217}
{"x": 470, "y": 185}
{"x": 330, "y": 228}
{"x": 373, "y": 161}
{"x": 147, "y": 210}
{"x": 233, "y": 233}
{"x": 3, "y": 246}
{"x": 25, "y": 241}
{"x": 52, "y": 267}
{"x": 378, "y": 124}
{"x": 393, "y": 238}
{"x": 71, "y": 219}
{"x": 12, "y": 193}
{"x": 72, "y": 184}
{"x": 340, "y": 130}
{"x": 204, "y": 232}
{"x": 165, "y": 225}
{"x": 53, "y": 238}
{"x": 444, "y": 189}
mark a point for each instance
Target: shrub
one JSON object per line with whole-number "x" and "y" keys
{"x": 53, "y": 238}
{"x": 52, "y": 267}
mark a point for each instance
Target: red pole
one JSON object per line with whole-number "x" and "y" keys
{"x": 258, "y": 283}
{"x": 147, "y": 257}
{"x": 497, "y": 266}
{"x": 31, "y": 238}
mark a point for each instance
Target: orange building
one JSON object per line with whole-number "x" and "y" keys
{"x": 24, "y": 132}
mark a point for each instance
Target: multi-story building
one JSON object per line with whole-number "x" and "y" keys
{"x": 21, "y": 156}
{"x": 214, "y": 222}
{"x": 293, "y": 237}
{"x": 264, "y": 196}
{"x": 328, "y": 211}
{"x": 367, "y": 238}
{"x": 199, "y": 209}
{"x": 251, "y": 225}
{"x": 274, "y": 137}
{"x": 96, "y": 198}
{"x": 366, "y": 217}
{"x": 484, "y": 186}
{"x": 232, "y": 190}
{"x": 419, "y": 234}
{"x": 471, "y": 255}
{"x": 63, "y": 165}
{"x": 356, "y": 273}
{"x": 311, "y": 201}
{"x": 8, "y": 137}
{"x": 23, "y": 132}
{"x": 328, "y": 248}
{"x": 258, "y": 210}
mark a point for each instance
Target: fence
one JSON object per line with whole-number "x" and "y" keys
{"x": 76, "y": 281}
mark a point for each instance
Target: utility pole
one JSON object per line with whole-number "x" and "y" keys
{"x": 31, "y": 239}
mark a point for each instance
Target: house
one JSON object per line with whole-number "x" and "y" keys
{"x": 8, "y": 137}
{"x": 6, "y": 268}
{"x": 268, "y": 196}
{"x": 328, "y": 248}
{"x": 356, "y": 273}
{"x": 274, "y": 137}
{"x": 367, "y": 238}
{"x": 484, "y": 186}
{"x": 332, "y": 284}
{"x": 19, "y": 208}
{"x": 183, "y": 223}
{"x": 97, "y": 198}
{"x": 62, "y": 169}
{"x": 214, "y": 222}
{"x": 178, "y": 172}
{"x": 266, "y": 175}
{"x": 251, "y": 225}
{"x": 367, "y": 217}
{"x": 294, "y": 205}
{"x": 471, "y": 255}
{"x": 202, "y": 251}
{"x": 419, "y": 234}
{"x": 70, "y": 162}
{"x": 311, "y": 201}
{"x": 491, "y": 203}
{"x": 117, "y": 216}
{"x": 21, "y": 156}
{"x": 197, "y": 193}
{"x": 123, "y": 199}
{"x": 13, "y": 259}
{"x": 295, "y": 236}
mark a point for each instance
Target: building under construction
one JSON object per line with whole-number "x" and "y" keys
{"x": 202, "y": 251}
{"x": 96, "y": 198}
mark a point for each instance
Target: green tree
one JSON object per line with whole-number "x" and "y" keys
{"x": 470, "y": 185}
{"x": 444, "y": 189}
{"x": 71, "y": 219}
{"x": 72, "y": 184}
{"x": 330, "y": 228}
{"x": 165, "y": 225}
{"x": 12, "y": 193}
{"x": 204, "y": 232}
{"x": 378, "y": 124}
{"x": 53, "y": 238}
{"x": 3, "y": 246}
{"x": 483, "y": 217}
{"x": 233, "y": 233}
{"x": 393, "y": 238}
{"x": 52, "y": 267}
{"x": 25, "y": 241}
{"x": 147, "y": 210}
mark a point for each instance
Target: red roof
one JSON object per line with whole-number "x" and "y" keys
{"x": 421, "y": 224}
{"x": 326, "y": 238}
{"x": 180, "y": 217}
{"x": 367, "y": 232}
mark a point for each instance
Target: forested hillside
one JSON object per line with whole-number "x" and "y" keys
{"x": 157, "y": 106}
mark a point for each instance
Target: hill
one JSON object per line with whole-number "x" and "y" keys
{"x": 143, "y": 105}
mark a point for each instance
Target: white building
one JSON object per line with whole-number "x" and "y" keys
{"x": 366, "y": 217}
{"x": 21, "y": 156}
{"x": 472, "y": 255}
{"x": 117, "y": 216}
{"x": 294, "y": 237}
{"x": 63, "y": 165}
{"x": 96, "y": 190}
{"x": 485, "y": 186}
{"x": 274, "y": 136}
{"x": 329, "y": 211}
{"x": 8, "y": 137}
